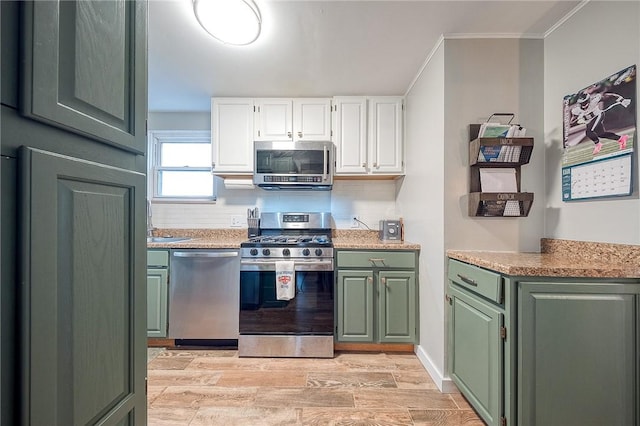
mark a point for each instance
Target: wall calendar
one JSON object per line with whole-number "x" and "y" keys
{"x": 599, "y": 132}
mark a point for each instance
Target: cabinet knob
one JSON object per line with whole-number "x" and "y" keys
{"x": 213, "y": 165}
{"x": 370, "y": 280}
{"x": 364, "y": 165}
{"x": 299, "y": 134}
{"x": 376, "y": 165}
{"x": 289, "y": 134}
{"x": 383, "y": 280}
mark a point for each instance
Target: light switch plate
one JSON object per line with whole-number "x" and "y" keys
{"x": 237, "y": 221}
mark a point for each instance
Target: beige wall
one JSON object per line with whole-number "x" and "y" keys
{"x": 599, "y": 40}
{"x": 420, "y": 197}
{"x": 464, "y": 82}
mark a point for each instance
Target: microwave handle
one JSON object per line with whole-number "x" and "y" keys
{"x": 325, "y": 168}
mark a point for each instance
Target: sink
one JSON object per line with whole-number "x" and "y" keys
{"x": 166, "y": 239}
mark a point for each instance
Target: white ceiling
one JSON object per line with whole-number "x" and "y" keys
{"x": 322, "y": 47}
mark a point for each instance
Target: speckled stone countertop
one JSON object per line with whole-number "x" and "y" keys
{"x": 560, "y": 258}
{"x": 362, "y": 239}
{"x": 201, "y": 238}
{"x": 231, "y": 238}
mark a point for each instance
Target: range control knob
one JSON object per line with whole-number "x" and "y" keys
{"x": 286, "y": 252}
{"x": 305, "y": 252}
{"x": 318, "y": 252}
{"x": 266, "y": 252}
{"x": 253, "y": 252}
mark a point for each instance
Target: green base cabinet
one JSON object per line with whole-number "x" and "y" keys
{"x": 376, "y": 296}
{"x": 157, "y": 292}
{"x": 579, "y": 356}
{"x": 540, "y": 351}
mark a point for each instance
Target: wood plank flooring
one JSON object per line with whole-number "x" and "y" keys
{"x": 216, "y": 387}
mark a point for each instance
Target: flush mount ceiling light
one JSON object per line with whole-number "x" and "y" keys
{"x": 234, "y": 22}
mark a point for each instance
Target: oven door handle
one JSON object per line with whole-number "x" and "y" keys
{"x": 205, "y": 254}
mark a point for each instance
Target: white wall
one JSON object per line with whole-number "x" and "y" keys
{"x": 369, "y": 200}
{"x": 599, "y": 40}
{"x": 464, "y": 82}
{"x": 420, "y": 197}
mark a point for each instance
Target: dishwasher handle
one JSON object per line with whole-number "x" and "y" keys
{"x": 205, "y": 254}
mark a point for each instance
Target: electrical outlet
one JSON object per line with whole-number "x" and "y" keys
{"x": 237, "y": 221}
{"x": 354, "y": 221}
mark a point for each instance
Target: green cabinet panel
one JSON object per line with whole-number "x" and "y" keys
{"x": 86, "y": 68}
{"x": 376, "y": 259}
{"x": 396, "y": 306}
{"x": 157, "y": 290}
{"x": 355, "y": 306}
{"x": 376, "y": 296}
{"x": 475, "y": 354}
{"x": 488, "y": 284}
{"x": 578, "y": 354}
{"x": 83, "y": 299}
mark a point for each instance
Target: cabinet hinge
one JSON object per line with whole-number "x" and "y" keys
{"x": 448, "y": 299}
{"x": 503, "y": 332}
{"x": 258, "y": 132}
{"x": 503, "y": 421}
{"x": 146, "y": 386}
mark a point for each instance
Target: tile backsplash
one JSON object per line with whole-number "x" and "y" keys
{"x": 369, "y": 200}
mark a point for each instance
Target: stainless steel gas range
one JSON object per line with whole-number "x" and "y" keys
{"x": 302, "y": 326}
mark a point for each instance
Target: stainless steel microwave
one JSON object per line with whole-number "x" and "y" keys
{"x": 293, "y": 165}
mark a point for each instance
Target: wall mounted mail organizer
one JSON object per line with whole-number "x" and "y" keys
{"x": 496, "y": 152}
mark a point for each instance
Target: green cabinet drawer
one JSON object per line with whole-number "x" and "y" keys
{"x": 376, "y": 259}
{"x": 477, "y": 280}
{"x": 157, "y": 258}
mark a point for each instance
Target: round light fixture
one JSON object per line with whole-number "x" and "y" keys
{"x": 236, "y": 22}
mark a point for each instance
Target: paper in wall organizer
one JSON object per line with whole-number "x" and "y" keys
{"x": 498, "y": 180}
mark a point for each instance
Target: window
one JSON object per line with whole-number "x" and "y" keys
{"x": 180, "y": 166}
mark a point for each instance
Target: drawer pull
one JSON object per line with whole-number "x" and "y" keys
{"x": 468, "y": 280}
{"x": 377, "y": 259}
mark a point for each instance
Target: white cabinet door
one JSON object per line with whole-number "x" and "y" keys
{"x": 273, "y": 119}
{"x": 350, "y": 134}
{"x": 385, "y": 135}
{"x": 312, "y": 119}
{"x": 232, "y": 135}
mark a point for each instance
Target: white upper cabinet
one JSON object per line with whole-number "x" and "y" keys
{"x": 312, "y": 119}
{"x": 273, "y": 119}
{"x": 293, "y": 119}
{"x": 350, "y": 134}
{"x": 232, "y": 135}
{"x": 385, "y": 135}
{"x": 368, "y": 135}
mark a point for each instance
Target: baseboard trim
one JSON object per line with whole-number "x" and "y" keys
{"x": 445, "y": 384}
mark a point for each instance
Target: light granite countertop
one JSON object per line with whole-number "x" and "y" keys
{"x": 560, "y": 258}
{"x": 232, "y": 238}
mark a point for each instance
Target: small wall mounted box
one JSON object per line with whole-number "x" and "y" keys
{"x": 390, "y": 231}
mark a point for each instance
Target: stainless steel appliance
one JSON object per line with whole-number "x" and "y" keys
{"x": 204, "y": 296}
{"x": 294, "y": 165}
{"x": 302, "y": 326}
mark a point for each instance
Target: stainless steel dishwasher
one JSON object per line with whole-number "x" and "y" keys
{"x": 204, "y": 294}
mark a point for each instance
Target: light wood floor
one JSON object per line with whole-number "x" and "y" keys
{"x": 216, "y": 387}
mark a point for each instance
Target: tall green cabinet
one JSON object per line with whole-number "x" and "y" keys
{"x": 545, "y": 351}
{"x": 73, "y": 131}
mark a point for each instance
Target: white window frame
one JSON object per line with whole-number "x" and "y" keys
{"x": 155, "y": 138}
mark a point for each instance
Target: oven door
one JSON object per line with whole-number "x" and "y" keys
{"x": 310, "y": 312}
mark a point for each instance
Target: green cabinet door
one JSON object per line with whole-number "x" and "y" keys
{"x": 578, "y": 354}
{"x": 86, "y": 68}
{"x": 354, "y": 294}
{"x": 157, "y": 289}
{"x": 83, "y": 303}
{"x": 396, "y": 306}
{"x": 475, "y": 355}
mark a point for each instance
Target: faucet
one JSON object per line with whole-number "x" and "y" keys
{"x": 149, "y": 215}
